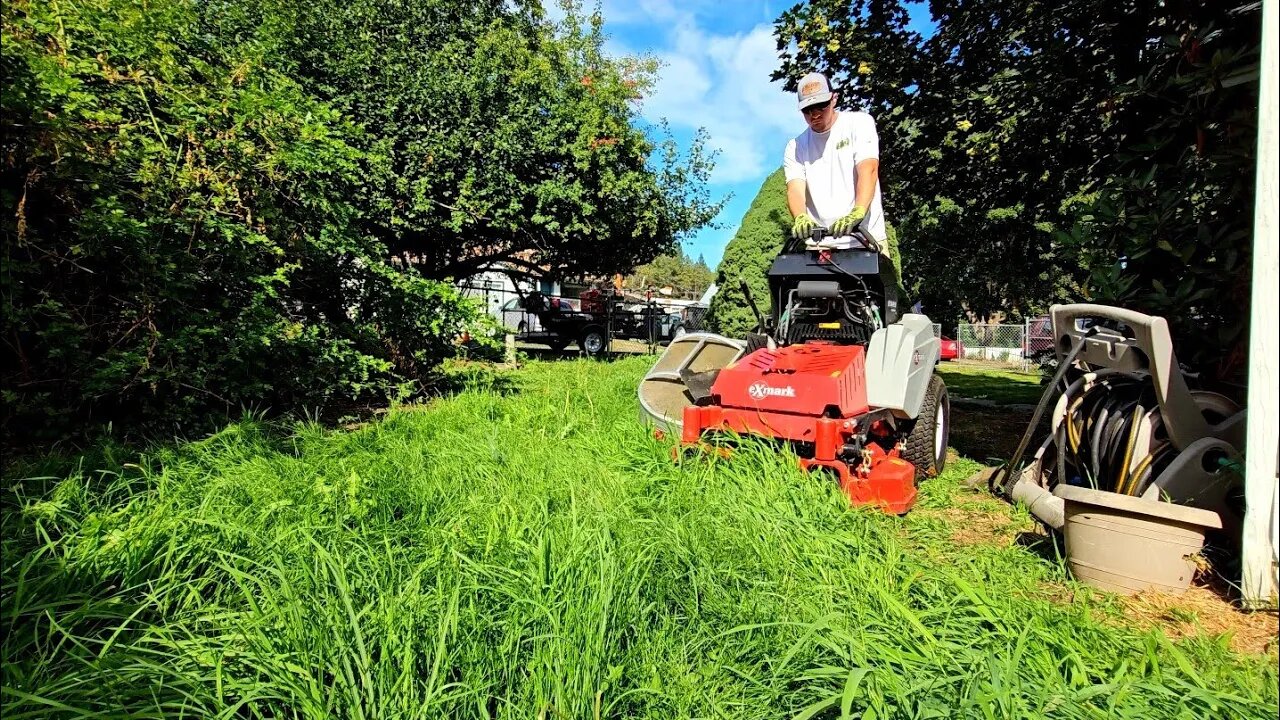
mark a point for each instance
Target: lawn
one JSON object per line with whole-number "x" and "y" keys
{"x": 524, "y": 549}
{"x": 1001, "y": 387}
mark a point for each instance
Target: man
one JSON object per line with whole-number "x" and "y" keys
{"x": 833, "y": 174}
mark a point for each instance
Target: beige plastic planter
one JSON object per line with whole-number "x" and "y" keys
{"x": 1126, "y": 544}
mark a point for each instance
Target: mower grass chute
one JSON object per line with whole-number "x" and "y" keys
{"x": 851, "y": 395}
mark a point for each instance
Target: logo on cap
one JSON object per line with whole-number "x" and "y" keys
{"x": 813, "y": 89}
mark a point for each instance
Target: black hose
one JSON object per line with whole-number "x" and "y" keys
{"x": 999, "y": 483}
{"x": 1096, "y": 441}
{"x": 1104, "y": 422}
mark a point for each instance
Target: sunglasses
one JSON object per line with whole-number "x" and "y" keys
{"x": 815, "y": 109}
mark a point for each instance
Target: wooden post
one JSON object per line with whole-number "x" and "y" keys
{"x": 509, "y": 355}
{"x": 1262, "y": 456}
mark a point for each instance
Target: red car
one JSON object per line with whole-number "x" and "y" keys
{"x": 949, "y": 349}
{"x": 1039, "y": 340}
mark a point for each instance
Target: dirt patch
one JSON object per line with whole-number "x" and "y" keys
{"x": 1202, "y": 610}
{"x": 988, "y": 435}
{"x": 973, "y": 524}
{"x": 976, "y": 518}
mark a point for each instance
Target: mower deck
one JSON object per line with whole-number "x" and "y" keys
{"x": 814, "y": 396}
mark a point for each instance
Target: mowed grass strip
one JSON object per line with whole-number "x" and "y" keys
{"x": 999, "y": 386}
{"x": 525, "y": 549}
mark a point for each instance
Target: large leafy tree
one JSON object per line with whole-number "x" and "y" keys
{"x": 1171, "y": 229}
{"x": 979, "y": 158}
{"x": 1017, "y": 120}
{"x": 203, "y": 200}
{"x": 491, "y": 133}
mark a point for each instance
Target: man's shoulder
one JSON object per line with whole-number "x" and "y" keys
{"x": 798, "y": 146}
{"x": 857, "y": 118}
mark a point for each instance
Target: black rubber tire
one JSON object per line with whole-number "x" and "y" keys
{"x": 594, "y": 341}
{"x": 755, "y": 341}
{"x": 923, "y": 447}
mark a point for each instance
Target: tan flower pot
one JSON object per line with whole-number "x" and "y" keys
{"x": 1126, "y": 544}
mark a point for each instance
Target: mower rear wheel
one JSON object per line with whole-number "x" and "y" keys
{"x": 927, "y": 438}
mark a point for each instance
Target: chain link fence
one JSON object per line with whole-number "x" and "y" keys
{"x": 992, "y": 343}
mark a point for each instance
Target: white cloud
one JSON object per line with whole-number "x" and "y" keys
{"x": 639, "y": 11}
{"x": 713, "y": 78}
{"x": 721, "y": 82}
{"x": 683, "y": 85}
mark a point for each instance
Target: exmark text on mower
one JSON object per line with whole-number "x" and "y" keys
{"x": 834, "y": 371}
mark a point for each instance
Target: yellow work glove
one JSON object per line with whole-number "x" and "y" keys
{"x": 846, "y": 224}
{"x": 802, "y": 227}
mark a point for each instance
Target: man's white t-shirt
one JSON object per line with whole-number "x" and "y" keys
{"x": 827, "y": 161}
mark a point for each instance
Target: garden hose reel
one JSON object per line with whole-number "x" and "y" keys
{"x": 1126, "y": 422}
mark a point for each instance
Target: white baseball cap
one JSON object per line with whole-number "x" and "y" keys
{"x": 814, "y": 89}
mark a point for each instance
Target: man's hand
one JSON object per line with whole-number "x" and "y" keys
{"x": 802, "y": 227}
{"x": 846, "y": 224}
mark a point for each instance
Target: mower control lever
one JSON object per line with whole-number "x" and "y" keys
{"x": 746, "y": 293}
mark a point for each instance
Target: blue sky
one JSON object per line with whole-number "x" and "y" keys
{"x": 716, "y": 60}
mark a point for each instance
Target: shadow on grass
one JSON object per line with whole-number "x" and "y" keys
{"x": 1047, "y": 545}
{"x": 988, "y": 435}
{"x": 462, "y": 376}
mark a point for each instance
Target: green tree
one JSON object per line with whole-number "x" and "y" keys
{"x": 676, "y": 271}
{"x": 747, "y": 257}
{"x": 167, "y": 200}
{"x": 1172, "y": 227}
{"x": 490, "y": 133}
{"x": 979, "y": 162}
{"x": 205, "y": 201}
{"x": 1015, "y": 122}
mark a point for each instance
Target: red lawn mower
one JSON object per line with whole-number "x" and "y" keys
{"x": 834, "y": 372}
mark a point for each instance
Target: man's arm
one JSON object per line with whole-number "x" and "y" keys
{"x": 868, "y": 175}
{"x": 797, "y": 192}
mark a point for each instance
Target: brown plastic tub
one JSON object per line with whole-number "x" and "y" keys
{"x": 1127, "y": 545}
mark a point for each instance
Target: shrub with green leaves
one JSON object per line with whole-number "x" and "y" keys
{"x": 203, "y": 199}
{"x": 748, "y": 256}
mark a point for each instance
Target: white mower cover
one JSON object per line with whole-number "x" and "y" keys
{"x": 900, "y": 362}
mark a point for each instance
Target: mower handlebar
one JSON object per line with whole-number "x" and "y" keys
{"x": 820, "y": 233}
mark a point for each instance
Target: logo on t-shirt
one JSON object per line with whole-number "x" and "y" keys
{"x": 844, "y": 142}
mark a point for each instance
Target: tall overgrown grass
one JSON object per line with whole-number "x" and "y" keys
{"x": 529, "y": 551}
